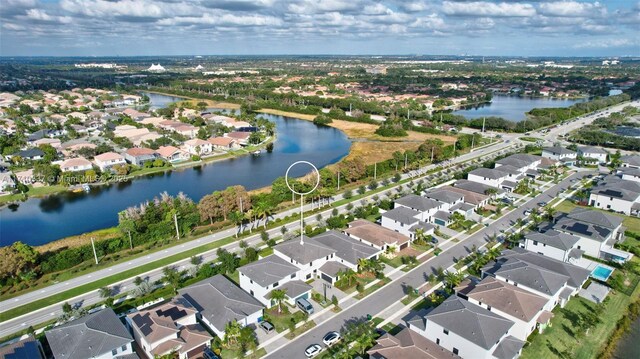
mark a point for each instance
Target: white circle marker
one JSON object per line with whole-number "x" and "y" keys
{"x": 286, "y": 177}
{"x": 302, "y": 194}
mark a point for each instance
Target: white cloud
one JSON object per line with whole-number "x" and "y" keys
{"x": 572, "y": 9}
{"x": 484, "y": 9}
{"x": 41, "y": 15}
{"x": 129, "y": 8}
{"x": 605, "y": 44}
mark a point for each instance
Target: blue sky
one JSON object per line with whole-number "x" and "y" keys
{"x": 205, "y": 27}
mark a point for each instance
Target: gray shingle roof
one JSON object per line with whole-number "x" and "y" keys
{"x": 554, "y": 239}
{"x": 613, "y": 186}
{"x": 633, "y": 160}
{"x": 470, "y": 321}
{"x": 490, "y": 173}
{"x": 444, "y": 195}
{"x": 402, "y": 215}
{"x": 417, "y": 203}
{"x": 519, "y": 160}
{"x": 220, "y": 301}
{"x": 531, "y": 276}
{"x": 294, "y": 288}
{"x": 332, "y": 268}
{"x": 577, "y": 275}
{"x": 508, "y": 348}
{"x": 268, "y": 270}
{"x": 591, "y": 149}
{"x": 596, "y": 217}
{"x": 90, "y": 336}
{"x": 346, "y": 247}
{"x": 558, "y": 150}
{"x": 306, "y": 253}
{"x": 475, "y": 187}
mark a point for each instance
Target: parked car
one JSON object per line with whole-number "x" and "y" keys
{"x": 542, "y": 204}
{"x": 331, "y": 338}
{"x": 304, "y": 305}
{"x": 209, "y": 354}
{"x": 266, "y": 326}
{"x": 434, "y": 240}
{"x": 312, "y": 350}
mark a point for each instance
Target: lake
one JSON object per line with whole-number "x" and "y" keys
{"x": 628, "y": 346}
{"x": 38, "y": 221}
{"x": 512, "y": 108}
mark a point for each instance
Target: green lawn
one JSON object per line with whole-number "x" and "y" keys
{"x": 301, "y": 329}
{"x": 266, "y": 252}
{"x": 559, "y": 340}
{"x": 395, "y": 262}
{"x": 227, "y": 353}
{"x": 33, "y": 192}
{"x": 373, "y": 288}
{"x": 281, "y": 320}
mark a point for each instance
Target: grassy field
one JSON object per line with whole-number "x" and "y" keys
{"x": 301, "y": 116}
{"x": 211, "y": 103}
{"x": 372, "y": 152}
{"x": 631, "y": 223}
{"x": 79, "y": 240}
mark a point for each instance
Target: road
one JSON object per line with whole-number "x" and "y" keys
{"x": 394, "y": 291}
{"x": 54, "y": 311}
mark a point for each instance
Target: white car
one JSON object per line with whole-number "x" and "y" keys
{"x": 331, "y": 338}
{"x": 312, "y": 350}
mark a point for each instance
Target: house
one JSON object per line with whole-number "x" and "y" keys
{"x": 348, "y": 251}
{"x": 541, "y": 275}
{"x": 426, "y": 207}
{"x": 219, "y": 301}
{"x": 172, "y": 154}
{"x": 408, "y": 344}
{"x": 259, "y": 278}
{"x": 521, "y": 161}
{"x": 629, "y": 174}
{"x": 592, "y": 154}
{"x": 554, "y": 244}
{"x": 617, "y": 194}
{"x": 138, "y": 156}
{"x": 242, "y": 138}
{"x": 560, "y": 154}
{"x": 76, "y": 164}
{"x": 53, "y": 142}
{"x": 99, "y": 335}
{"x": 29, "y": 348}
{"x": 632, "y": 161}
{"x": 223, "y": 143}
{"x": 376, "y": 236}
{"x": 598, "y": 232}
{"x": 308, "y": 255}
{"x": 107, "y": 160}
{"x": 167, "y": 328}
{"x": 197, "y": 147}
{"x": 33, "y": 154}
{"x": 468, "y": 330}
{"x": 494, "y": 177}
{"x": 485, "y": 192}
{"x": 447, "y": 198}
{"x": 406, "y": 221}
{"x": 527, "y": 310}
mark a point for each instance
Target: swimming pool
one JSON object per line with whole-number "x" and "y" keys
{"x": 601, "y": 273}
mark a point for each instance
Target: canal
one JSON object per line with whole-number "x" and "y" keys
{"x": 38, "y": 221}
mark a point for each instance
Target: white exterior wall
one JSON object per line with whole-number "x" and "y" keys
{"x": 610, "y": 203}
{"x": 600, "y": 157}
{"x": 305, "y": 269}
{"x": 77, "y": 168}
{"x": 260, "y": 292}
{"x": 119, "y": 352}
{"x": 589, "y": 246}
{"x": 629, "y": 177}
{"x": 105, "y": 165}
{"x": 558, "y": 157}
{"x": 425, "y": 216}
{"x": 396, "y": 226}
{"x": 547, "y": 251}
{"x": 488, "y": 181}
{"x": 466, "y": 349}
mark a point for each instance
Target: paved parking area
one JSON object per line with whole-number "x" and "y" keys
{"x": 261, "y": 334}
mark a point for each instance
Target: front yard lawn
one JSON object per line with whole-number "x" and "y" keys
{"x": 281, "y": 320}
{"x": 373, "y": 288}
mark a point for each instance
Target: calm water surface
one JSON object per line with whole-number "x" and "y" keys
{"x": 512, "y": 107}
{"x": 38, "y": 221}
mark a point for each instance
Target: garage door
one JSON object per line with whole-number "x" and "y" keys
{"x": 403, "y": 246}
{"x": 304, "y": 296}
{"x": 439, "y": 222}
{"x": 327, "y": 278}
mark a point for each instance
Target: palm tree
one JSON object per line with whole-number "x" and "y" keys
{"x": 363, "y": 265}
{"x": 349, "y": 275}
{"x": 236, "y": 218}
{"x": 550, "y": 212}
{"x": 232, "y": 332}
{"x": 105, "y": 292}
{"x": 390, "y": 251}
{"x": 278, "y": 296}
{"x": 492, "y": 254}
{"x": 453, "y": 279}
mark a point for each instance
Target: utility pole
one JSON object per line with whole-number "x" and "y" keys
{"x": 405, "y": 161}
{"x": 130, "y": 241}
{"x": 95, "y": 255}
{"x": 375, "y": 170}
{"x": 432, "y": 153}
{"x": 483, "y": 120}
{"x": 338, "y": 180}
{"x": 175, "y": 220}
{"x": 473, "y": 138}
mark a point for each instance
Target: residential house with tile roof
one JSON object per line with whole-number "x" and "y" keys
{"x": 408, "y": 344}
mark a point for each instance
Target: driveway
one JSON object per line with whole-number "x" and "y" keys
{"x": 318, "y": 286}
